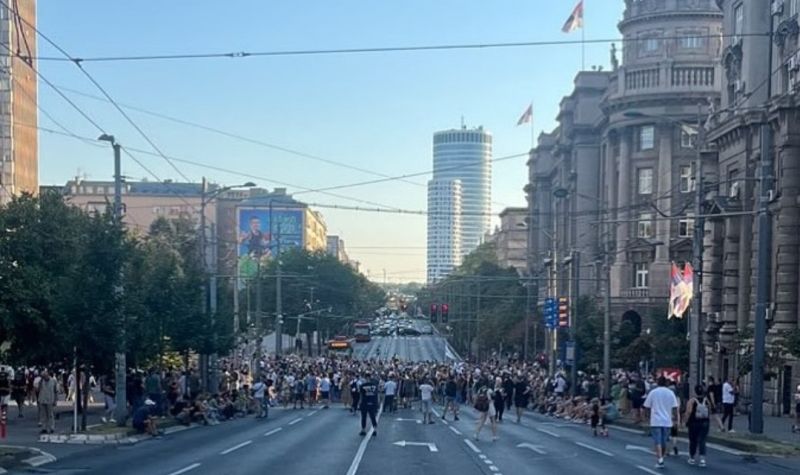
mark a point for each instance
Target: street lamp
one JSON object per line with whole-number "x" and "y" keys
{"x": 210, "y": 299}
{"x": 697, "y": 240}
{"x": 121, "y": 410}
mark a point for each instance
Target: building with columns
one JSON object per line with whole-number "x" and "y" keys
{"x": 614, "y": 180}
{"x": 751, "y": 96}
{"x": 510, "y": 239}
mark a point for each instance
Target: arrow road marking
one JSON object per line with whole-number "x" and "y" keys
{"x": 400, "y": 419}
{"x": 599, "y": 451}
{"x": 431, "y": 447}
{"x": 545, "y": 431}
{"x": 535, "y": 448}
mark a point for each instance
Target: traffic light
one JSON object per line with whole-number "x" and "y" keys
{"x": 563, "y": 312}
{"x": 445, "y": 310}
{"x": 434, "y": 313}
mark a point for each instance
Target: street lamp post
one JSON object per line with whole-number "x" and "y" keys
{"x": 209, "y": 266}
{"x": 120, "y": 363}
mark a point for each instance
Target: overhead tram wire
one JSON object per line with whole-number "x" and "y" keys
{"x": 368, "y": 50}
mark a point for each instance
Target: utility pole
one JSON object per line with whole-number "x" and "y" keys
{"x": 478, "y": 323}
{"x": 573, "y": 326}
{"x": 120, "y": 370}
{"x": 279, "y": 299}
{"x": 697, "y": 256}
{"x": 607, "y": 319}
{"x": 764, "y": 256}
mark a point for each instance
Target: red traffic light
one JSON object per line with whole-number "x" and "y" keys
{"x": 563, "y": 312}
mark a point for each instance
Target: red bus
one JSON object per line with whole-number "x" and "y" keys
{"x": 361, "y": 331}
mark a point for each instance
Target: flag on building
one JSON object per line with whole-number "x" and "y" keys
{"x": 527, "y": 116}
{"x": 688, "y": 282}
{"x": 681, "y": 290}
{"x": 575, "y": 20}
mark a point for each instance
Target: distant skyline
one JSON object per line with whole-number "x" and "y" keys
{"x": 373, "y": 111}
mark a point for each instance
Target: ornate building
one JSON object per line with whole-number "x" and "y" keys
{"x": 751, "y": 96}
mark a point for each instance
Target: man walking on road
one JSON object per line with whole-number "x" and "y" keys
{"x": 369, "y": 404}
{"x": 47, "y": 402}
{"x": 426, "y": 394}
{"x": 389, "y": 391}
{"x": 663, "y": 407}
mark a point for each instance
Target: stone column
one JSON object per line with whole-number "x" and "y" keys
{"x": 787, "y": 227}
{"x": 620, "y": 271}
{"x": 663, "y": 191}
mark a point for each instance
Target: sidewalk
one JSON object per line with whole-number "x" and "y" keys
{"x": 775, "y": 428}
{"x": 25, "y": 430}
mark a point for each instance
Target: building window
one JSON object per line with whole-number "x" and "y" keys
{"x": 738, "y": 21}
{"x": 645, "y": 181}
{"x": 687, "y": 139}
{"x": 686, "y": 227}
{"x": 641, "y": 275}
{"x": 687, "y": 182}
{"x": 647, "y": 137}
{"x": 691, "y": 42}
{"x": 645, "y": 226}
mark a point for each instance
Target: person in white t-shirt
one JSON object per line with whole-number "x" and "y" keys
{"x": 728, "y": 403}
{"x": 325, "y": 390}
{"x": 663, "y": 407}
{"x": 259, "y": 393}
{"x": 426, "y": 392}
{"x": 389, "y": 391}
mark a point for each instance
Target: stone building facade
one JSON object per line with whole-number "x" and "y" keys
{"x": 751, "y": 96}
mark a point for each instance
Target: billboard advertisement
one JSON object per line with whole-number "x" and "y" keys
{"x": 261, "y": 232}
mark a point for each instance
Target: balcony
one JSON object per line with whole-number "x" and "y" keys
{"x": 667, "y": 79}
{"x": 636, "y": 293}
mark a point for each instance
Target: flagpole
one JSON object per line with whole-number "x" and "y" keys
{"x": 533, "y": 133}
{"x": 583, "y": 38}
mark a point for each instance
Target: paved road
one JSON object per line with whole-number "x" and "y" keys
{"x": 407, "y": 348}
{"x": 326, "y": 442}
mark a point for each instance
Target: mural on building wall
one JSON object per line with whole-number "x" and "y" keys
{"x": 262, "y": 232}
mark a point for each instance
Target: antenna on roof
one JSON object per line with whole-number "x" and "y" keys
{"x": 463, "y": 125}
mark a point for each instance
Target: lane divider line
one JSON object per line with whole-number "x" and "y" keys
{"x": 645, "y": 469}
{"x": 455, "y": 431}
{"x": 550, "y": 433}
{"x": 273, "y": 431}
{"x": 483, "y": 457}
{"x": 236, "y": 447}
{"x": 472, "y": 446}
{"x": 363, "y": 447}
{"x": 494, "y": 469}
{"x": 185, "y": 469}
{"x": 590, "y": 447}
{"x": 295, "y": 421}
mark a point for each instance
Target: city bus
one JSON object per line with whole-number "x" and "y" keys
{"x": 361, "y": 331}
{"x": 340, "y": 345}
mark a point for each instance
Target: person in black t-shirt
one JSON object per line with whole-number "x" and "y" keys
{"x": 369, "y": 404}
{"x": 521, "y": 396}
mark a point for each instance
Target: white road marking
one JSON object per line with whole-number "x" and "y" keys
{"x": 483, "y": 457}
{"x": 536, "y": 448}
{"x": 545, "y": 431}
{"x": 651, "y": 472}
{"x": 494, "y": 469}
{"x": 363, "y": 447}
{"x": 725, "y": 449}
{"x": 186, "y": 469}
{"x": 236, "y": 447}
{"x": 312, "y": 413}
{"x": 455, "y": 431}
{"x": 599, "y": 451}
{"x": 273, "y": 431}
{"x": 295, "y": 421}
{"x": 488, "y": 462}
{"x": 404, "y": 443}
{"x": 472, "y": 446}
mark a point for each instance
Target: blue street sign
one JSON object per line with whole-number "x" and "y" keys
{"x": 550, "y": 313}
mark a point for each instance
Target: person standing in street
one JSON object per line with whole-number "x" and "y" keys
{"x": 426, "y": 395}
{"x": 728, "y": 403}
{"x": 355, "y": 393}
{"x": 47, "y": 401}
{"x": 260, "y": 395}
{"x": 325, "y": 390}
{"x": 389, "y": 392}
{"x": 698, "y": 421}
{"x": 663, "y": 407}
{"x": 369, "y": 404}
{"x": 485, "y": 407}
{"x": 450, "y": 397}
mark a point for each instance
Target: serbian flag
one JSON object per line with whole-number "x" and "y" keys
{"x": 688, "y": 290}
{"x": 575, "y": 20}
{"x": 527, "y": 116}
{"x": 675, "y": 293}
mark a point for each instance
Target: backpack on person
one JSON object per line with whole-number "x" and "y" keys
{"x": 482, "y": 401}
{"x": 701, "y": 410}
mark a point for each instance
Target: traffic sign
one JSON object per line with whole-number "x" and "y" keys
{"x": 550, "y": 312}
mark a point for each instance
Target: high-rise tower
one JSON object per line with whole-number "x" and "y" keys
{"x": 19, "y": 161}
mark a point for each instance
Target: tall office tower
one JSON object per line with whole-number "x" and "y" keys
{"x": 444, "y": 228}
{"x": 466, "y": 155}
{"x": 19, "y": 160}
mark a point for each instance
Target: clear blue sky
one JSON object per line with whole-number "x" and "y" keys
{"x": 375, "y": 111}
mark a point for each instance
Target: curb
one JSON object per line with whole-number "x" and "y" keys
{"x": 130, "y": 437}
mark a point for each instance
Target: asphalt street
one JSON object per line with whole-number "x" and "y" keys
{"x": 326, "y": 442}
{"x": 407, "y": 348}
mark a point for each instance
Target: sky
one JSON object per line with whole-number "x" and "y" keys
{"x": 374, "y": 111}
